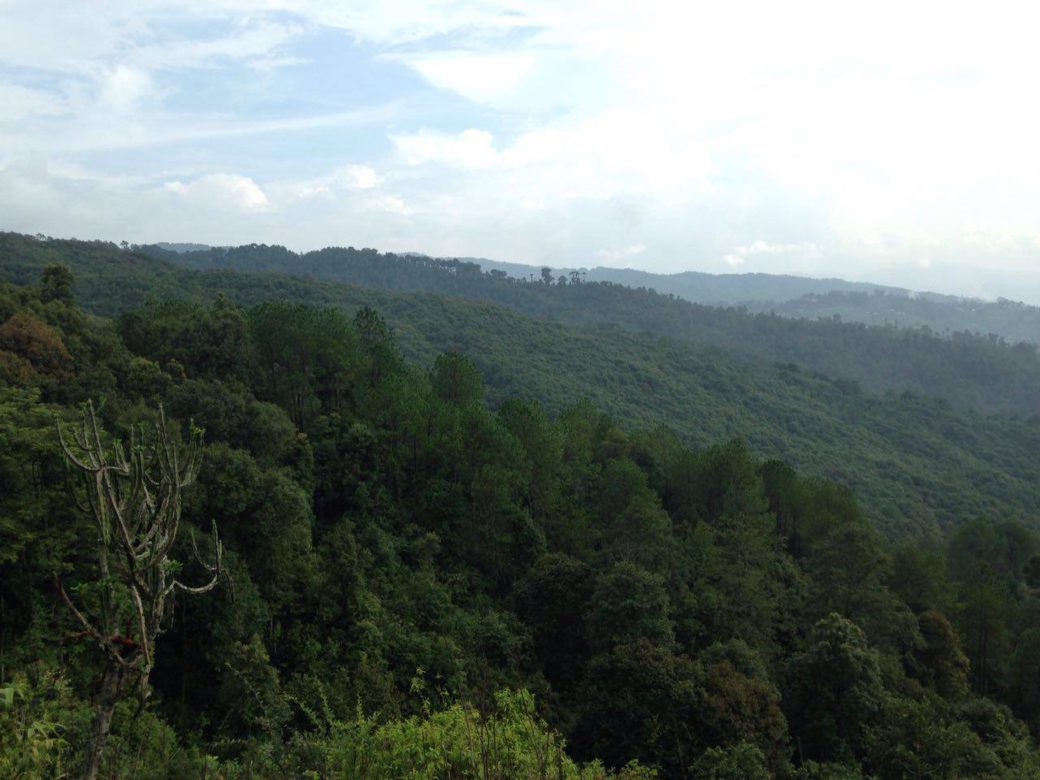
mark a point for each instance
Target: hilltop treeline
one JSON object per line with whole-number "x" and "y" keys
{"x": 420, "y": 584}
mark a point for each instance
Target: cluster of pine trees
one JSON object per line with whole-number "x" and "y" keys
{"x": 415, "y": 583}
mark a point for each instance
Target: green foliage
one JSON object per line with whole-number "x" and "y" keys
{"x": 56, "y": 284}
{"x": 639, "y": 700}
{"x": 628, "y": 603}
{"x": 740, "y": 761}
{"x": 457, "y": 380}
{"x": 835, "y": 690}
{"x": 39, "y": 723}
{"x": 508, "y": 740}
{"x": 943, "y": 664}
{"x": 695, "y": 609}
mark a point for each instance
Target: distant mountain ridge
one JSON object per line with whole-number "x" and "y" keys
{"x": 815, "y": 298}
{"x": 701, "y": 287}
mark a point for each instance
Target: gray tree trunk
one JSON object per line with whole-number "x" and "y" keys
{"x": 108, "y": 697}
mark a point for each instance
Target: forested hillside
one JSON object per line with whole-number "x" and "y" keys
{"x": 412, "y": 583}
{"x": 970, "y": 370}
{"x": 919, "y": 464}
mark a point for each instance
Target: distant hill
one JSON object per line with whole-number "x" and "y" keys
{"x": 918, "y": 463}
{"x": 972, "y": 371}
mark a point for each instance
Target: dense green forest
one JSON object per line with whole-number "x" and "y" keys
{"x": 971, "y": 370}
{"x": 413, "y": 581}
{"x": 918, "y": 464}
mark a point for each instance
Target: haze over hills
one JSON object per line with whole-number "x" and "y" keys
{"x": 695, "y": 286}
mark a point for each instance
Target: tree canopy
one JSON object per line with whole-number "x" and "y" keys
{"x": 426, "y": 579}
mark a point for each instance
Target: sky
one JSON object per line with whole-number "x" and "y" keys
{"x": 890, "y": 142}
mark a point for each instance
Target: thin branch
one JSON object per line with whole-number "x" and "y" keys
{"x": 68, "y": 450}
{"x": 142, "y": 627}
{"x": 87, "y": 625}
{"x": 217, "y": 568}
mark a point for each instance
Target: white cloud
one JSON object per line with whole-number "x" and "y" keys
{"x": 479, "y": 77}
{"x": 390, "y": 203}
{"x": 344, "y": 178}
{"x": 599, "y": 157}
{"x": 469, "y": 149}
{"x": 222, "y": 191}
{"x": 120, "y": 89}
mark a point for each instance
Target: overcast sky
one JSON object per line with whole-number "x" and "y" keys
{"x": 896, "y": 142}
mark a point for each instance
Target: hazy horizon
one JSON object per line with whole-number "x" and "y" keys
{"x": 889, "y": 144}
{"x": 959, "y": 285}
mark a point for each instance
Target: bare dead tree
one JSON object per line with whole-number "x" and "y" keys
{"x": 134, "y": 497}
